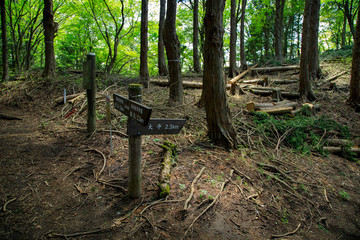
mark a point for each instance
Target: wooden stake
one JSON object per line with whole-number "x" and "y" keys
{"x": 135, "y": 152}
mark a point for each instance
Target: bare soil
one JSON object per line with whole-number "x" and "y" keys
{"x": 51, "y": 188}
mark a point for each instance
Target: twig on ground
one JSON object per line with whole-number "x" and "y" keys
{"x": 210, "y": 205}
{"x": 112, "y": 185}
{"x": 5, "y": 205}
{"x": 186, "y": 205}
{"x": 240, "y": 173}
{"x": 160, "y": 201}
{"x": 287, "y": 234}
{"x": 79, "y": 233}
{"x": 118, "y": 221}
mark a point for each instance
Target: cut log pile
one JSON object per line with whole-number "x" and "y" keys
{"x": 281, "y": 107}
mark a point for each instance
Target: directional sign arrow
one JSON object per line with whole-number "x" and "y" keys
{"x": 156, "y": 127}
{"x": 132, "y": 109}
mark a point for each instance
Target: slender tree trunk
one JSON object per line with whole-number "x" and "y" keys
{"x": 218, "y": 116}
{"x": 354, "y": 97}
{"x": 172, "y": 45}
{"x": 233, "y": 25}
{"x": 161, "y": 50}
{"x": 196, "y": 56}
{"x": 5, "y": 67}
{"x": 144, "y": 71}
{"x": 242, "y": 36}
{"x": 305, "y": 80}
{"x": 279, "y": 19}
{"x": 343, "y": 33}
{"x": 50, "y": 29}
{"x": 314, "y": 66}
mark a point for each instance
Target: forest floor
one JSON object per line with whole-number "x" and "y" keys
{"x": 51, "y": 188}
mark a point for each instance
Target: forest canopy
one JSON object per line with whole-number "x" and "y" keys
{"x": 111, "y": 29}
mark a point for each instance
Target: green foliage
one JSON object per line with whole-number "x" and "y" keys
{"x": 304, "y": 132}
{"x": 344, "y": 195}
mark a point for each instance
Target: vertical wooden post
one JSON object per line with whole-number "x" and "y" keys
{"x": 90, "y": 92}
{"x": 134, "y": 183}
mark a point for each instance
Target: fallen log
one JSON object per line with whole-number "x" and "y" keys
{"x": 339, "y": 142}
{"x": 281, "y": 81}
{"x": 186, "y": 84}
{"x": 60, "y": 100}
{"x": 340, "y": 149}
{"x": 253, "y": 106}
{"x": 274, "y": 69}
{"x": 265, "y": 92}
{"x": 164, "y": 179}
{"x": 276, "y": 110}
{"x": 332, "y": 78}
{"x": 241, "y": 75}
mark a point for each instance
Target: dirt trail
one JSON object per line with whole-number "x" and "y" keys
{"x": 49, "y": 190}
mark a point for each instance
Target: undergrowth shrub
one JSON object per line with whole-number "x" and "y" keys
{"x": 304, "y": 132}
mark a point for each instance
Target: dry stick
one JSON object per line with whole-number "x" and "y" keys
{"x": 104, "y": 165}
{"x": 112, "y": 185}
{"x": 211, "y": 204}
{"x": 5, "y": 205}
{"x": 287, "y": 234}
{"x": 159, "y": 202}
{"x": 79, "y": 233}
{"x": 192, "y": 188}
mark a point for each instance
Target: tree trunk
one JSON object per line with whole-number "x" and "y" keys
{"x": 172, "y": 45}
{"x": 279, "y": 16}
{"x": 343, "y": 33}
{"x": 305, "y": 90}
{"x": 5, "y": 68}
{"x": 314, "y": 67}
{"x": 49, "y": 33}
{"x": 161, "y": 51}
{"x": 354, "y": 97}
{"x": 218, "y": 116}
{"x": 196, "y": 56}
{"x": 242, "y": 36}
{"x": 233, "y": 25}
{"x": 144, "y": 71}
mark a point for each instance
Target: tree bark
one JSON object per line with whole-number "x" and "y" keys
{"x": 196, "y": 56}
{"x": 305, "y": 89}
{"x": 5, "y": 68}
{"x": 354, "y": 97}
{"x": 314, "y": 66}
{"x": 233, "y": 25}
{"x": 163, "y": 71}
{"x": 218, "y": 116}
{"x": 172, "y": 45}
{"x": 242, "y": 36}
{"x": 279, "y": 19}
{"x": 144, "y": 71}
{"x": 50, "y": 29}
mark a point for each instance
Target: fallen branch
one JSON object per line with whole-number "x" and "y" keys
{"x": 7, "y": 117}
{"x": 253, "y": 106}
{"x": 192, "y": 188}
{"x": 210, "y": 205}
{"x": 78, "y": 233}
{"x": 104, "y": 165}
{"x": 340, "y": 149}
{"x": 186, "y": 84}
{"x": 274, "y": 69}
{"x": 287, "y": 234}
{"x": 112, "y": 185}
{"x": 5, "y": 205}
{"x": 332, "y": 78}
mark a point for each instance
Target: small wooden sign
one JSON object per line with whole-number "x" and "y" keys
{"x": 132, "y": 109}
{"x": 156, "y": 127}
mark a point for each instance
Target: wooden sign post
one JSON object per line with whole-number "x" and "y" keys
{"x": 90, "y": 86}
{"x": 139, "y": 123}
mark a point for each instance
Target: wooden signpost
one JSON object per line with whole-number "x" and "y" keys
{"x": 139, "y": 123}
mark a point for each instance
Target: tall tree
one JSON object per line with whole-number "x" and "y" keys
{"x": 354, "y": 97}
{"x": 172, "y": 45}
{"x": 278, "y": 29}
{"x": 242, "y": 36}
{"x": 233, "y": 24}
{"x": 349, "y": 8}
{"x": 305, "y": 89}
{"x": 50, "y": 29}
{"x": 144, "y": 71}
{"x": 161, "y": 51}
{"x": 218, "y": 116}
{"x": 196, "y": 56}
{"x": 314, "y": 65}
{"x": 5, "y": 65}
